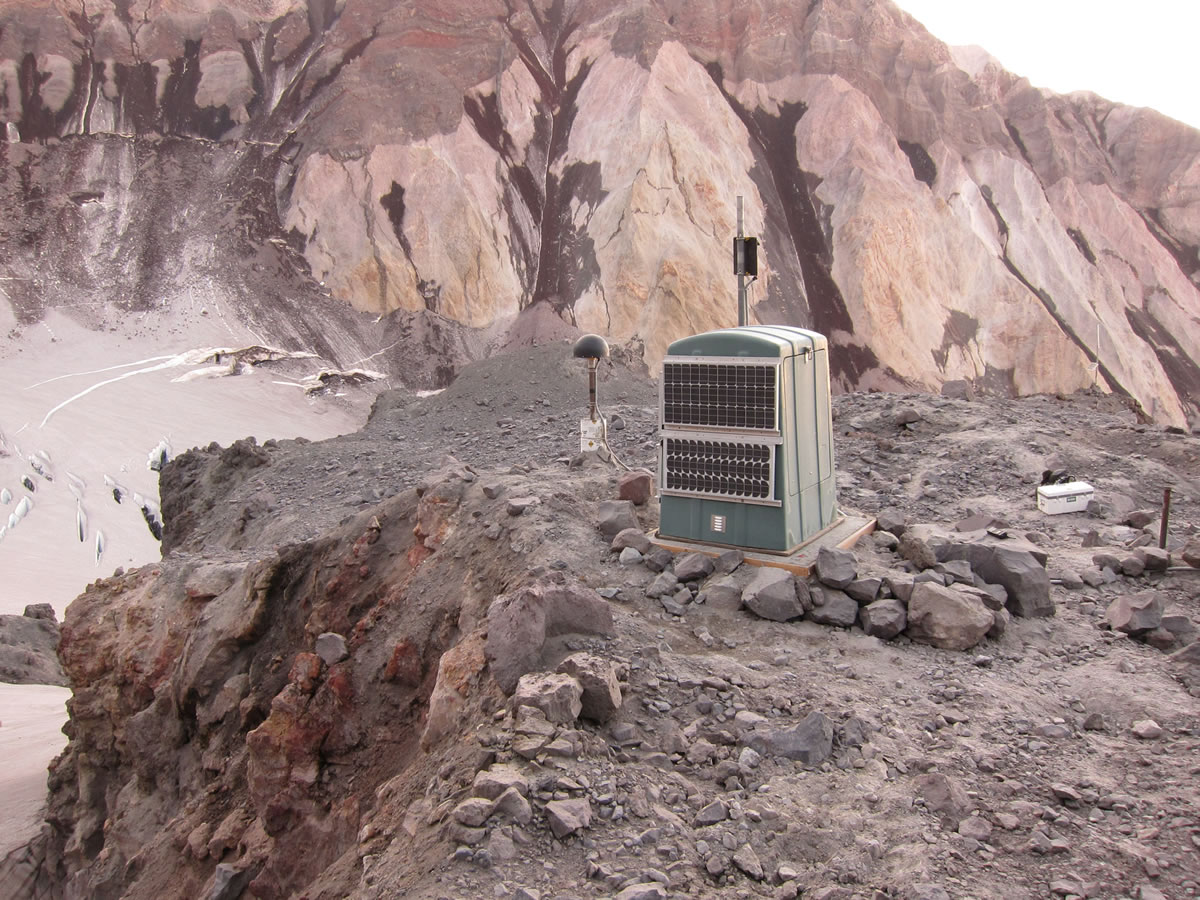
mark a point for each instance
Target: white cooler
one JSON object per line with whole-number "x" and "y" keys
{"x": 1073, "y": 496}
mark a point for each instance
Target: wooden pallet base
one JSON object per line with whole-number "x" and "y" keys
{"x": 843, "y": 534}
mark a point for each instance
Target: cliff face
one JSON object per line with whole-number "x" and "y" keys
{"x": 938, "y": 217}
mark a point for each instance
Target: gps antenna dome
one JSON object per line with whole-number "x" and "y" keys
{"x": 591, "y": 346}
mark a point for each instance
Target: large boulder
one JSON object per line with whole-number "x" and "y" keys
{"x": 27, "y": 648}
{"x": 601, "y": 688}
{"x": 558, "y": 696}
{"x": 835, "y": 568}
{"x": 568, "y": 816}
{"x": 1019, "y": 570}
{"x": 614, "y": 516}
{"x": 864, "y": 590}
{"x": 693, "y": 567}
{"x": 520, "y": 622}
{"x": 772, "y": 594}
{"x": 1135, "y": 614}
{"x": 722, "y": 593}
{"x": 631, "y": 537}
{"x": 833, "y": 607}
{"x": 636, "y": 486}
{"x": 884, "y": 618}
{"x": 946, "y": 618}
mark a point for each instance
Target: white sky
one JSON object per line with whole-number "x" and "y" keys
{"x": 1140, "y": 52}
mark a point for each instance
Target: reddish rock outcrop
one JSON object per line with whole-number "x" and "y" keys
{"x": 212, "y": 745}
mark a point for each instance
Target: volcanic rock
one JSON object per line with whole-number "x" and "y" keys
{"x": 864, "y": 590}
{"x": 1137, "y": 613}
{"x": 597, "y": 677}
{"x": 832, "y": 607}
{"x": 633, "y": 538}
{"x": 557, "y": 696}
{"x": 884, "y": 618}
{"x": 565, "y": 817}
{"x": 519, "y": 624}
{"x": 835, "y": 568}
{"x": 772, "y": 594}
{"x": 614, "y": 516}
{"x": 693, "y": 567}
{"x": 1019, "y": 571}
{"x": 946, "y": 618}
{"x": 810, "y": 741}
{"x": 636, "y": 487}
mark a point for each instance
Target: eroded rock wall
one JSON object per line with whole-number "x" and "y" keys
{"x": 212, "y": 724}
{"x": 938, "y": 217}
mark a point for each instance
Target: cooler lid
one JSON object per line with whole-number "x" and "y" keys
{"x": 1070, "y": 489}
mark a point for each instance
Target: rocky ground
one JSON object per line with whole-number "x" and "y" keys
{"x": 366, "y": 669}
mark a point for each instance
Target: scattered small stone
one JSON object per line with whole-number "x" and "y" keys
{"x": 629, "y": 557}
{"x": 1147, "y": 730}
{"x": 647, "y": 890}
{"x": 747, "y": 860}
{"x": 568, "y": 816}
{"x": 1094, "y": 722}
{"x": 518, "y": 506}
{"x": 975, "y": 827}
{"x": 717, "y": 811}
{"x": 331, "y": 648}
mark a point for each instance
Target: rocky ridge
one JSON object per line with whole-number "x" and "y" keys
{"x": 480, "y": 682}
{"x": 939, "y": 218}
{"x": 27, "y": 647}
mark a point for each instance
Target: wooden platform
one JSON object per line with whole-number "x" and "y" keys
{"x": 843, "y": 534}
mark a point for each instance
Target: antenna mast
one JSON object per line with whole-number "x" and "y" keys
{"x": 739, "y": 262}
{"x": 745, "y": 262}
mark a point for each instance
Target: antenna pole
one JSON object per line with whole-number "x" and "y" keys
{"x": 740, "y": 266}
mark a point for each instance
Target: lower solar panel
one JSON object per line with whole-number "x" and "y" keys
{"x": 731, "y": 470}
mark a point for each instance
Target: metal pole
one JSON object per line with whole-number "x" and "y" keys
{"x": 741, "y": 267}
{"x": 592, "y": 408}
{"x": 1166, "y": 514}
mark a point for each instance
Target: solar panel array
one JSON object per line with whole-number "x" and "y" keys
{"x": 719, "y": 395}
{"x": 730, "y": 469}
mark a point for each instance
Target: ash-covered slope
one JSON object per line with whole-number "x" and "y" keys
{"x": 938, "y": 217}
{"x": 313, "y": 693}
